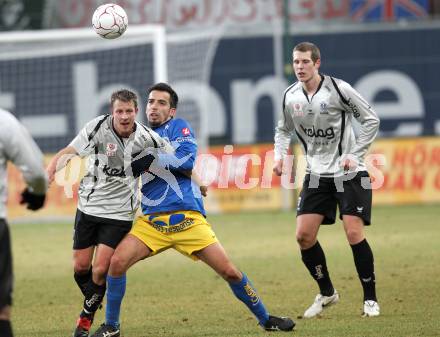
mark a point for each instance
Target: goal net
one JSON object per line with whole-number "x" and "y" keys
{"x": 190, "y": 59}
{"x": 57, "y": 80}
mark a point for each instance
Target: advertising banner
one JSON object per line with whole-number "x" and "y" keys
{"x": 202, "y": 14}
{"x": 406, "y": 171}
{"x": 402, "y": 170}
{"x": 388, "y": 10}
{"x": 240, "y": 178}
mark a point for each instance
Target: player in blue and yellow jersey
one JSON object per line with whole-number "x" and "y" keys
{"x": 174, "y": 217}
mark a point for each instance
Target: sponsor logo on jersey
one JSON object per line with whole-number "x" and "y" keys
{"x": 328, "y": 133}
{"x": 184, "y": 140}
{"x": 185, "y": 131}
{"x": 297, "y": 110}
{"x": 113, "y": 172}
{"x": 111, "y": 149}
{"x": 173, "y": 224}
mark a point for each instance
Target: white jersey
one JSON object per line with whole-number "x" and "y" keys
{"x": 106, "y": 190}
{"x": 17, "y": 146}
{"x": 323, "y": 125}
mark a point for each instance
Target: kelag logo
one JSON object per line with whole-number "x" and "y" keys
{"x": 328, "y": 133}
{"x": 354, "y": 109}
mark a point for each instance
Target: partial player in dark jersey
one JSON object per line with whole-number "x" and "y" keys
{"x": 18, "y": 147}
{"x": 108, "y": 198}
{"x": 174, "y": 217}
{"x": 320, "y": 111}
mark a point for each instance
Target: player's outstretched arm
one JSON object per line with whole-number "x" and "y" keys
{"x": 59, "y": 161}
{"x": 21, "y": 149}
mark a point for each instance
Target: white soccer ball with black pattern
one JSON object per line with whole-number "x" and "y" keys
{"x": 109, "y": 21}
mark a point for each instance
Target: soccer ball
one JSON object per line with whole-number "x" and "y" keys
{"x": 109, "y": 21}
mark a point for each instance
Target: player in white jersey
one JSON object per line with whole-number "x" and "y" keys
{"x": 320, "y": 110}
{"x": 108, "y": 193}
{"x": 17, "y": 146}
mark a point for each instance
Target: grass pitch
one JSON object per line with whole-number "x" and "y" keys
{"x": 169, "y": 295}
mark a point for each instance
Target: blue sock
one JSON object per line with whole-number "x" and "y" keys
{"x": 245, "y": 292}
{"x": 115, "y": 294}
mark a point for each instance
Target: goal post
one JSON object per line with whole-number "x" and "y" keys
{"x": 55, "y": 81}
{"x": 190, "y": 61}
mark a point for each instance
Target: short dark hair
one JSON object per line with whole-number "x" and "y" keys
{"x": 124, "y": 95}
{"x": 308, "y": 46}
{"x": 174, "y": 99}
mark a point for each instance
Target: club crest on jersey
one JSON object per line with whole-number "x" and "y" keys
{"x": 185, "y": 131}
{"x": 323, "y": 108}
{"x": 297, "y": 110}
{"x": 111, "y": 149}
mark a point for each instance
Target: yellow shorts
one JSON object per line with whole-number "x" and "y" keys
{"x": 185, "y": 231}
